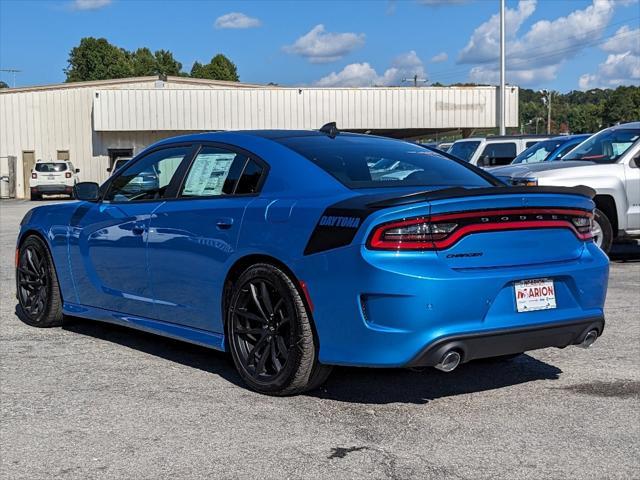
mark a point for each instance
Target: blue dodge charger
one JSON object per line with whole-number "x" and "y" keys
{"x": 298, "y": 250}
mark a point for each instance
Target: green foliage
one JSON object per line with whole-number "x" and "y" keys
{"x": 3, "y": 84}
{"x": 97, "y": 59}
{"x": 579, "y": 112}
{"x": 219, "y": 68}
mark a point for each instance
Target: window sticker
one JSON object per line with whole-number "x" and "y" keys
{"x": 208, "y": 174}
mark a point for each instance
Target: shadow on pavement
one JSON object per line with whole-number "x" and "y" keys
{"x": 360, "y": 385}
{"x": 187, "y": 354}
{"x": 380, "y": 386}
{"x": 625, "y": 251}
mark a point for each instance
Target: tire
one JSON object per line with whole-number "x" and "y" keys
{"x": 602, "y": 228}
{"x": 270, "y": 335}
{"x": 38, "y": 291}
{"x": 36, "y": 196}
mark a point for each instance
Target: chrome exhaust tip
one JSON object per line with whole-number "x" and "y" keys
{"x": 449, "y": 362}
{"x": 589, "y": 339}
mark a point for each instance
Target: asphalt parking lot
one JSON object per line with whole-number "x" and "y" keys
{"x": 98, "y": 401}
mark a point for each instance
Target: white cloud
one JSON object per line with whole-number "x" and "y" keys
{"x": 484, "y": 44}
{"x": 624, "y": 40}
{"x": 404, "y": 66}
{"x": 320, "y": 46}
{"x": 236, "y": 20}
{"x": 89, "y": 4}
{"x": 622, "y": 65}
{"x": 439, "y": 58}
{"x": 537, "y": 55}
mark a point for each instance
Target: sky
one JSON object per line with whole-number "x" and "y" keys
{"x": 553, "y": 44}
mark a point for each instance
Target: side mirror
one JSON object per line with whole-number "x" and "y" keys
{"x": 77, "y": 170}
{"x": 87, "y": 191}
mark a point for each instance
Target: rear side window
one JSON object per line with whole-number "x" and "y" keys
{"x": 373, "y": 162}
{"x": 216, "y": 171}
{"x": 51, "y": 167}
{"x": 464, "y": 150}
{"x": 498, "y": 153}
{"x": 250, "y": 179}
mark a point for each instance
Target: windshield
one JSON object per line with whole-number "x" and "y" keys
{"x": 51, "y": 167}
{"x": 383, "y": 164}
{"x": 538, "y": 152}
{"x": 605, "y": 147}
{"x": 464, "y": 150}
{"x": 348, "y": 159}
{"x": 119, "y": 163}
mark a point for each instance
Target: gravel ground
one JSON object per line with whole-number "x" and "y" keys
{"x": 98, "y": 401}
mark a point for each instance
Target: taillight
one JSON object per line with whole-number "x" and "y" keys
{"x": 67, "y": 175}
{"x": 442, "y": 231}
{"x": 412, "y": 234}
{"x": 34, "y": 175}
{"x": 584, "y": 226}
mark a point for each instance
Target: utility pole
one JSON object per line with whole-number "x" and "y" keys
{"x": 13, "y": 71}
{"x": 415, "y": 80}
{"x": 503, "y": 107}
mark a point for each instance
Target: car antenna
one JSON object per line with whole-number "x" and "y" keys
{"x": 330, "y": 129}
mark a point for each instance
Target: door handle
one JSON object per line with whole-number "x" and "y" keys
{"x": 138, "y": 229}
{"x": 224, "y": 223}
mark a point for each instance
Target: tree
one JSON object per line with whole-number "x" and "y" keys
{"x": 97, "y": 59}
{"x": 219, "y": 68}
{"x": 166, "y": 64}
{"x": 623, "y": 105}
{"x": 3, "y": 85}
{"x": 144, "y": 63}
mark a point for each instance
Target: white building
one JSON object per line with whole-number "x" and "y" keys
{"x": 92, "y": 123}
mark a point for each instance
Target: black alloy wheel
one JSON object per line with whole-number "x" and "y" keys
{"x": 262, "y": 325}
{"x": 270, "y": 334}
{"x": 37, "y": 285}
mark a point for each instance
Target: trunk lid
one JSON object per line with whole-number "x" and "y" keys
{"x": 514, "y": 235}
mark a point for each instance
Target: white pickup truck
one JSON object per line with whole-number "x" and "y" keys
{"x": 608, "y": 162}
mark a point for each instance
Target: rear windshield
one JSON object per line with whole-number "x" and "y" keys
{"x": 51, "y": 167}
{"x": 605, "y": 147}
{"x": 373, "y": 162}
{"x": 464, "y": 150}
{"x": 538, "y": 152}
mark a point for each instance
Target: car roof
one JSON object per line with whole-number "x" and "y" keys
{"x": 626, "y": 125}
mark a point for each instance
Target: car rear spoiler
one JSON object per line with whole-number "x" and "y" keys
{"x": 460, "y": 192}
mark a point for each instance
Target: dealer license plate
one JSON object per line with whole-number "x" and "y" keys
{"x": 532, "y": 295}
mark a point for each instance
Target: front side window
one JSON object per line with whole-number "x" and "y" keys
{"x": 372, "y": 162}
{"x": 147, "y": 178}
{"x": 498, "y": 153}
{"x": 605, "y": 147}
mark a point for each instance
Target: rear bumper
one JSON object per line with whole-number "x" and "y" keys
{"x": 508, "y": 341}
{"x": 381, "y": 312}
{"x": 57, "y": 188}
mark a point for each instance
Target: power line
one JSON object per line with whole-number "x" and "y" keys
{"x": 453, "y": 72}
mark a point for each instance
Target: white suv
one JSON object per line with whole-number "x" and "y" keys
{"x": 493, "y": 151}
{"x": 52, "y": 177}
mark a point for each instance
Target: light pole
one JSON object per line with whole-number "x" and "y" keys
{"x": 546, "y": 99}
{"x": 503, "y": 124}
